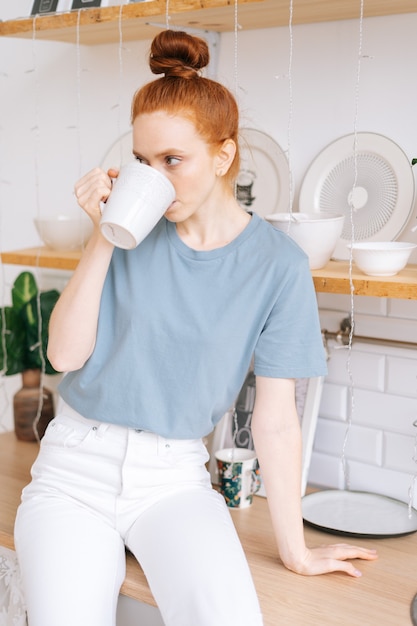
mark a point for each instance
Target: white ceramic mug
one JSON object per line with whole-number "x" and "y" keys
{"x": 239, "y": 476}
{"x": 139, "y": 198}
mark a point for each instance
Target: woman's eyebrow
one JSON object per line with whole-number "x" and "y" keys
{"x": 167, "y": 152}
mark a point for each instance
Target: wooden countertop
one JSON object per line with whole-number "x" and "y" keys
{"x": 381, "y": 597}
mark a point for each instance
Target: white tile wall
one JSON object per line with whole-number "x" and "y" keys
{"x": 369, "y": 402}
{"x": 374, "y": 317}
{"x": 390, "y": 412}
{"x": 394, "y": 457}
{"x": 401, "y": 375}
{"x": 365, "y": 366}
{"x": 334, "y": 401}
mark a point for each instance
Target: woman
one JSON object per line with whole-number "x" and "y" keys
{"x": 157, "y": 342}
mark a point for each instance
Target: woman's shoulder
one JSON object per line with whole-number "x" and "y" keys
{"x": 275, "y": 244}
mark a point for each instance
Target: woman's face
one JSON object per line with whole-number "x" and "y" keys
{"x": 171, "y": 144}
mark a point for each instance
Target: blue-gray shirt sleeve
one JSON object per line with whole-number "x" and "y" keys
{"x": 290, "y": 344}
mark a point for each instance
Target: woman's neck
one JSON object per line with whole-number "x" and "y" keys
{"x": 214, "y": 229}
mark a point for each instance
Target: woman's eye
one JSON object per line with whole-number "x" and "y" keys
{"x": 138, "y": 158}
{"x": 171, "y": 160}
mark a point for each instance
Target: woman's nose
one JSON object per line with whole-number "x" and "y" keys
{"x": 156, "y": 166}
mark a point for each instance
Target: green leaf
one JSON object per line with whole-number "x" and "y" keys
{"x": 23, "y": 290}
{"x": 12, "y": 342}
{"x": 47, "y": 301}
{"x": 23, "y": 343}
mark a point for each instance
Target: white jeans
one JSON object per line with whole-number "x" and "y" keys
{"x": 97, "y": 488}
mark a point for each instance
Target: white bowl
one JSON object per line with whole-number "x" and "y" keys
{"x": 381, "y": 258}
{"x": 316, "y": 233}
{"x": 64, "y": 232}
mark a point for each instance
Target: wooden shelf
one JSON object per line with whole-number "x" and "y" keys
{"x": 101, "y": 25}
{"x": 334, "y": 278}
{"x": 42, "y": 257}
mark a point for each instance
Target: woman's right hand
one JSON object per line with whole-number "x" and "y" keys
{"x": 93, "y": 188}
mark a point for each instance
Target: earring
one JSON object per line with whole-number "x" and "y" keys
{"x": 220, "y": 173}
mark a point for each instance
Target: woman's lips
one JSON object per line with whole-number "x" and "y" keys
{"x": 171, "y": 206}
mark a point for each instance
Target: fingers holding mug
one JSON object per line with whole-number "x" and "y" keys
{"x": 93, "y": 188}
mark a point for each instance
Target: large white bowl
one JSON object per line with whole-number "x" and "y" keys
{"x": 381, "y": 258}
{"x": 64, "y": 232}
{"x": 316, "y": 233}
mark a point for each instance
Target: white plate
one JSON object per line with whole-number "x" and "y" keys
{"x": 119, "y": 153}
{"x": 264, "y": 177}
{"x": 381, "y": 197}
{"x": 358, "y": 513}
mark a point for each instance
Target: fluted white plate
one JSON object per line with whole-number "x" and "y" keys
{"x": 369, "y": 179}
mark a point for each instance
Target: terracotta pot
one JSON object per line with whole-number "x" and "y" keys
{"x": 26, "y": 403}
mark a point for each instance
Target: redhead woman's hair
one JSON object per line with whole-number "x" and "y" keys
{"x": 182, "y": 90}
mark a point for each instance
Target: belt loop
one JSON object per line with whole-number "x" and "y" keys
{"x": 101, "y": 430}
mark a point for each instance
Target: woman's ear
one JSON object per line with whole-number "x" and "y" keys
{"x": 225, "y": 156}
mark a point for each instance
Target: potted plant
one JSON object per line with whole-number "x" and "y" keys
{"x": 23, "y": 342}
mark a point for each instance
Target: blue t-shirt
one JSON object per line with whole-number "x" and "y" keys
{"x": 178, "y": 328}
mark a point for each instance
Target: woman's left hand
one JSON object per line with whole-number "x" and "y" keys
{"x": 333, "y": 558}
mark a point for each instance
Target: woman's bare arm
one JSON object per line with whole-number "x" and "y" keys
{"x": 277, "y": 437}
{"x": 73, "y": 323}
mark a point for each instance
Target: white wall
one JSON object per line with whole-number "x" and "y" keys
{"x": 79, "y": 100}
{"x": 41, "y": 86}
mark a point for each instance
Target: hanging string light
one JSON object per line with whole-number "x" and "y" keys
{"x": 78, "y": 87}
{"x": 167, "y": 17}
{"x": 236, "y": 79}
{"x": 2, "y": 313}
{"x": 236, "y": 47}
{"x": 121, "y": 70}
{"x": 4, "y": 396}
{"x": 36, "y": 129}
{"x": 345, "y": 465}
{"x": 290, "y": 107}
{"x": 411, "y": 490}
{"x": 235, "y": 424}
